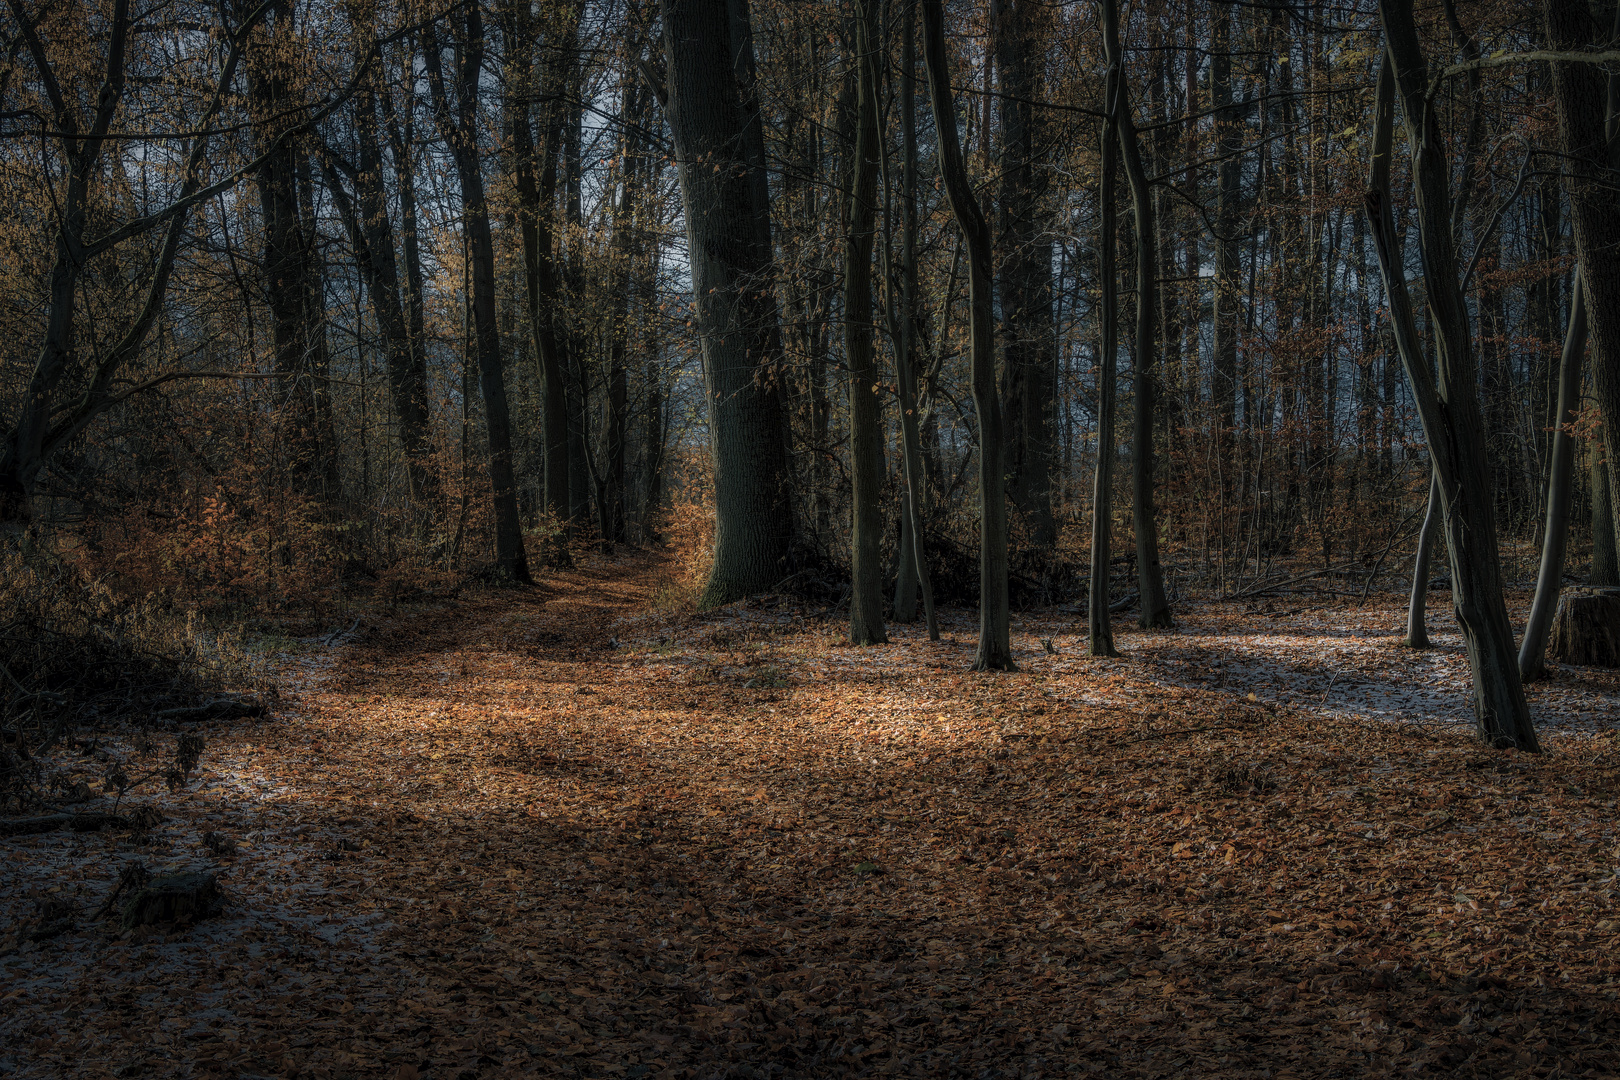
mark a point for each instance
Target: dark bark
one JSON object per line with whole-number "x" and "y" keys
{"x": 727, "y": 212}
{"x": 1025, "y": 243}
{"x": 1581, "y": 93}
{"x": 1447, "y": 395}
{"x": 534, "y": 176}
{"x": 906, "y": 352}
{"x": 865, "y": 418}
{"x": 1154, "y": 608}
{"x": 1099, "y": 619}
{"x": 995, "y": 644}
{"x": 1559, "y": 486}
{"x": 458, "y": 124}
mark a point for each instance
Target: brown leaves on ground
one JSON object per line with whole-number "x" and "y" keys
{"x": 549, "y": 832}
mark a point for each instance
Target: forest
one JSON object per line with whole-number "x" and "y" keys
{"x": 762, "y": 538}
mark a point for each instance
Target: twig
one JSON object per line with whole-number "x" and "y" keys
{"x": 1167, "y": 734}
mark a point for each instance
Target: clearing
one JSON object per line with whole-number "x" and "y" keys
{"x": 554, "y": 831}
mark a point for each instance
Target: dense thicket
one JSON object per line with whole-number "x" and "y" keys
{"x": 302, "y": 292}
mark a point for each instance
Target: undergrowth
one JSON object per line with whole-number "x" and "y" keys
{"x": 76, "y": 658}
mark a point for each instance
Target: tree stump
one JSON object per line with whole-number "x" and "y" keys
{"x": 172, "y": 898}
{"x": 1586, "y": 629}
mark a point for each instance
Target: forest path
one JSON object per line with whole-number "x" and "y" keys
{"x": 555, "y": 831}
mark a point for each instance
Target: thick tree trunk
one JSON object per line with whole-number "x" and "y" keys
{"x": 1029, "y": 355}
{"x": 1447, "y": 396}
{"x": 1154, "y": 609}
{"x": 1559, "y": 486}
{"x": 995, "y": 632}
{"x": 727, "y": 211}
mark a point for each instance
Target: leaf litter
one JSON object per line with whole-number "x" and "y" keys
{"x": 556, "y": 832}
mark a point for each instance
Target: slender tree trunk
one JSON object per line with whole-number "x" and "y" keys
{"x": 1417, "y": 627}
{"x": 865, "y": 420}
{"x": 535, "y": 187}
{"x": 1227, "y": 285}
{"x": 1532, "y": 650}
{"x": 906, "y": 350}
{"x": 1447, "y": 396}
{"x": 460, "y": 131}
{"x": 1099, "y": 621}
{"x": 725, "y": 198}
{"x": 1582, "y": 95}
{"x": 995, "y": 631}
{"x": 1154, "y": 610}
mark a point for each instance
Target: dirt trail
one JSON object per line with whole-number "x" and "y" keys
{"x": 547, "y": 831}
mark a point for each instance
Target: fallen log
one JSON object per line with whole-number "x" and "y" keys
{"x": 52, "y": 822}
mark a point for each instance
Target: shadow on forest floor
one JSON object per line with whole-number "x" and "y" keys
{"x": 548, "y": 831}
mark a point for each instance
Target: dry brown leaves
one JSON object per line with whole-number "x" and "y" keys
{"x": 549, "y": 832}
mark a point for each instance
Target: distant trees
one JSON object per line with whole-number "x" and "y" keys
{"x": 475, "y": 283}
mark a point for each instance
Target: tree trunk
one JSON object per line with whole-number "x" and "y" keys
{"x": 1581, "y": 94}
{"x": 1227, "y": 285}
{"x": 1154, "y": 609}
{"x": 1559, "y": 485}
{"x": 906, "y": 348}
{"x": 535, "y": 187}
{"x": 1029, "y": 353}
{"x": 865, "y": 421}
{"x": 995, "y": 631}
{"x": 1417, "y": 627}
{"x": 1100, "y": 624}
{"x": 1605, "y": 561}
{"x": 461, "y": 133}
{"x": 1448, "y": 405}
{"x": 725, "y": 199}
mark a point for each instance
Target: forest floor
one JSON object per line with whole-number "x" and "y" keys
{"x": 556, "y": 831}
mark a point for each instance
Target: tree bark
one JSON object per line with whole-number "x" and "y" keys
{"x": 1559, "y": 484}
{"x": 865, "y": 420}
{"x": 1447, "y": 396}
{"x": 1581, "y": 94}
{"x": 1029, "y": 355}
{"x": 1154, "y": 608}
{"x": 1417, "y": 627}
{"x": 460, "y": 132}
{"x": 724, "y": 195}
{"x": 906, "y": 347}
{"x": 1099, "y": 621}
{"x": 995, "y": 631}
{"x": 534, "y": 185}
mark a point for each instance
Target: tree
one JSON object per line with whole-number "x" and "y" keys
{"x": 1446, "y": 396}
{"x": 458, "y": 124}
{"x": 1152, "y": 606}
{"x": 1100, "y": 624}
{"x": 865, "y": 421}
{"x": 995, "y": 632}
{"x": 1583, "y": 97}
{"x": 1532, "y": 650}
{"x": 70, "y": 387}
{"x": 720, "y": 162}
